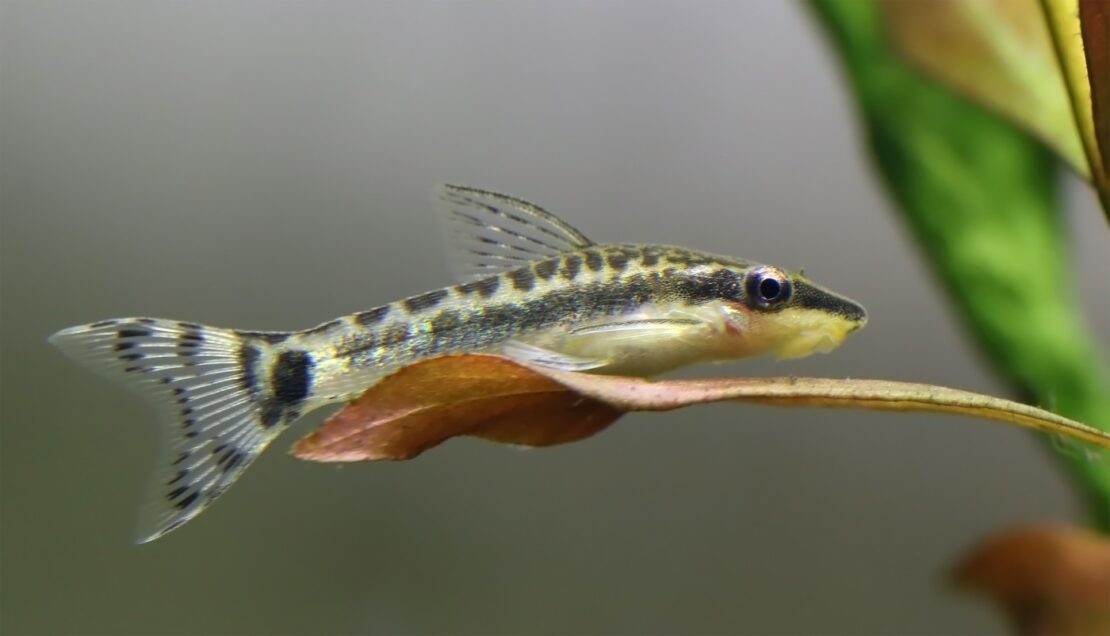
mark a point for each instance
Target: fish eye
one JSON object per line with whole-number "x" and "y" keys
{"x": 769, "y": 289}
{"x": 767, "y": 286}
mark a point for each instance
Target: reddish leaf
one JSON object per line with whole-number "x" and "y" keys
{"x": 1094, "y": 20}
{"x": 494, "y": 398}
{"x": 429, "y": 402}
{"x": 1049, "y": 579}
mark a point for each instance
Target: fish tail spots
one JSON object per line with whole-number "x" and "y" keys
{"x": 220, "y": 395}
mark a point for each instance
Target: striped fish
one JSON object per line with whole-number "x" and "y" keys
{"x": 532, "y": 288}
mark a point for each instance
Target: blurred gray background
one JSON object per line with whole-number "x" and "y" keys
{"x": 268, "y": 165}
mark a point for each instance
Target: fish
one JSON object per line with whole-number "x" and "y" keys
{"x": 529, "y": 286}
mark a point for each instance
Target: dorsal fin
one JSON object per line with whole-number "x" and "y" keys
{"x": 487, "y": 233}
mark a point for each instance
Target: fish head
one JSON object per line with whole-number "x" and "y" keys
{"x": 787, "y": 315}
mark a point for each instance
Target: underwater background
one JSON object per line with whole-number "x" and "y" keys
{"x": 268, "y": 165}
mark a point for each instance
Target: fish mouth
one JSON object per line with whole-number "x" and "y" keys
{"x": 807, "y": 331}
{"x": 818, "y": 340}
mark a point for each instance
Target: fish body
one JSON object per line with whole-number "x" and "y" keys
{"x": 531, "y": 287}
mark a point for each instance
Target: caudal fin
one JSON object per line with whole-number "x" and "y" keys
{"x": 203, "y": 381}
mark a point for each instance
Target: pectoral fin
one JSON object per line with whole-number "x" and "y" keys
{"x": 531, "y": 354}
{"x": 636, "y": 329}
{"x": 647, "y": 345}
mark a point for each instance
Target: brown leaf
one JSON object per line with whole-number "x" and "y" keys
{"x": 1050, "y": 579}
{"x": 1078, "y": 32}
{"x": 429, "y": 402}
{"x": 498, "y": 399}
{"x": 1094, "y": 20}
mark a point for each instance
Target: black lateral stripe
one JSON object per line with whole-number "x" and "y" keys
{"x": 419, "y": 303}
{"x": 445, "y": 331}
{"x": 357, "y": 344}
{"x": 446, "y": 320}
{"x": 509, "y": 319}
{"x": 394, "y": 335}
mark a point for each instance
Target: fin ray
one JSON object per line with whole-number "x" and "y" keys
{"x": 487, "y": 233}
{"x": 208, "y": 410}
{"x": 644, "y": 328}
{"x": 539, "y": 356}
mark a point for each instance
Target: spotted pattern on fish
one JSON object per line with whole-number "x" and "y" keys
{"x": 547, "y": 268}
{"x": 617, "y": 260}
{"x": 227, "y": 394}
{"x": 572, "y": 264}
{"x": 394, "y": 335}
{"x": 484, "y": 287}
{"x": 248, "y": 360}
{"x": 291, "y": 377}
{"x": 525, "y": 307}
{"x": 594, "y": 261}
{"x": 423, "y": 302}
{"x": 522, "y": 278}
{"x": 371, "y": 317}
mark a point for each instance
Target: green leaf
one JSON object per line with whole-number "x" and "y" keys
{"x": 980, "y": 197}
{"x": 998, "y": 53}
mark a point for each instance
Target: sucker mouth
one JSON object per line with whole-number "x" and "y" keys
{"x": 819, "y": 338}
{"x": 809, "y": 342}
